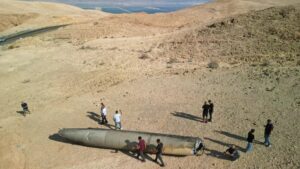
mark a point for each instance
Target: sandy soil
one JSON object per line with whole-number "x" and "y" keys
{"x": 154, "y": 68}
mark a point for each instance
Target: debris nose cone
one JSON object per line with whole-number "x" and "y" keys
{"x": 61, "y": 132}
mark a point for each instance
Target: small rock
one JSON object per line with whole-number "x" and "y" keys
{"x": 269, "y": 89}
{"x": 26, "y": 81}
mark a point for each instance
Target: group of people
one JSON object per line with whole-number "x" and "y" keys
{"x": 268, "y": 129}
{"x": 233, "y": 152}
{"x": 207, "y": 109}
{"x": 116, "y": 118}
{"x": 158, "y": 151}
{"x": 141, "y": 142}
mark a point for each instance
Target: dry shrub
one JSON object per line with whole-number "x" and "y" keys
{"x": 26, "y": 81}
{"x": 87, "y": 48}
{"x": 213, "y": 64}
{"x": 144, "y": 56}
{"x": 113, "y": 48}
{"x": 169, "y": 66}
{"x": 265, "y": 63}
{"x": 13, "y": 46}
{"x": 172, "y": 60}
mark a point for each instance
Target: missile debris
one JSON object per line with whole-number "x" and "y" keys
{"x": 127, "y": 140}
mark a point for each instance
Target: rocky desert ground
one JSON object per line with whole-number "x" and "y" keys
{"x": 159, "y": 69}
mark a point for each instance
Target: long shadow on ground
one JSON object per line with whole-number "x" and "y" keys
{"x": 218, "y": 154}
{"x": 97, "y": 118}
{"x": 225, "y": 144}
{"x": 187, "y": 116}
{"x": 134, "y": 154}
{"x": 231, "y": 135}
{"x": 23, "y": 113}
{"x": 94, "y": 116}
{"x": 237, "y": 136}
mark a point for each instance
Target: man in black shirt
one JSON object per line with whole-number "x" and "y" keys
{"x": 250, "y": 140}
{"x": 25, "y": 108}
{"x": 205, "y": 108}
{"x": 232, "y": 151}
{"x": 159, "y": 148}
{"x": 268, "y": 129}
{"x": 210, "y": 110}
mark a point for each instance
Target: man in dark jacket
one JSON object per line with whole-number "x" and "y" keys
{"x": 25, "y": 108}
{"x": 250, "y": 140}
{"x": 159, "y": 148}
{"x": 268, "y": 129}
{"x": 210, "y": 110}
{"x": 205, "y": 109}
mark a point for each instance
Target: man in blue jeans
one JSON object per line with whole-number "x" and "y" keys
{"x": 159, "y": 149}
{"x": 250, "y": 140}
{"x": 268, "y": 129}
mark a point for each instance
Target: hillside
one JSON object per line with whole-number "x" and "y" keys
{"x": 159, "y": 69}
{"x": 267, "y": 36}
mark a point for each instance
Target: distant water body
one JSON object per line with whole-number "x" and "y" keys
{"x": 132, "y": 6}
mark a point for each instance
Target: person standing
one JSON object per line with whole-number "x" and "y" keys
{"x": 141, "y": 148}
{"x": 205, "y": 109}
{"x": 103, "y": 114}
{"x": 159, "y": 149}
{"x": 250, "y": 140}
{"x": 210, "y": 110}
{"x": 25, "y": 108}
{"x": 268, "y": 129}
{"x": 117, "y": 120}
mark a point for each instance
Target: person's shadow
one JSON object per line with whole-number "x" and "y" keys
{"x": 94, "y": 116}
{"x": 97, "y": 118}
{"x": 217, "y": 154}
{"x": 132, "y": 151}
{"x": 187, "y": 116}
{"x": 237, "y": 136}
{"x": 23, "y": 113}
{"x": 225, "y": 144}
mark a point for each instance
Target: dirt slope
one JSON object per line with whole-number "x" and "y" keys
{"x": 157, "y": 73}
{"x": 23, "y": 15}
{"x": 270, "y": 35}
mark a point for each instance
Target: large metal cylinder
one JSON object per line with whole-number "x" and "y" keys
{"x": 128, "y": 140}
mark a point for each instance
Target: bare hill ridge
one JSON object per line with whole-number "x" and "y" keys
{"x": 269, "y": 35}
{"x": 23, "y": 15}
{"x": 117, "y": 25}
{"x": 157, "y": 72}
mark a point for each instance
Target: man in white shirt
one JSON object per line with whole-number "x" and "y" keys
{"x": 117, "y": 120}
{"x": 103, "y": 114}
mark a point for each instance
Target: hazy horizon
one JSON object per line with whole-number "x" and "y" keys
{"x": 128, "y": 6}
